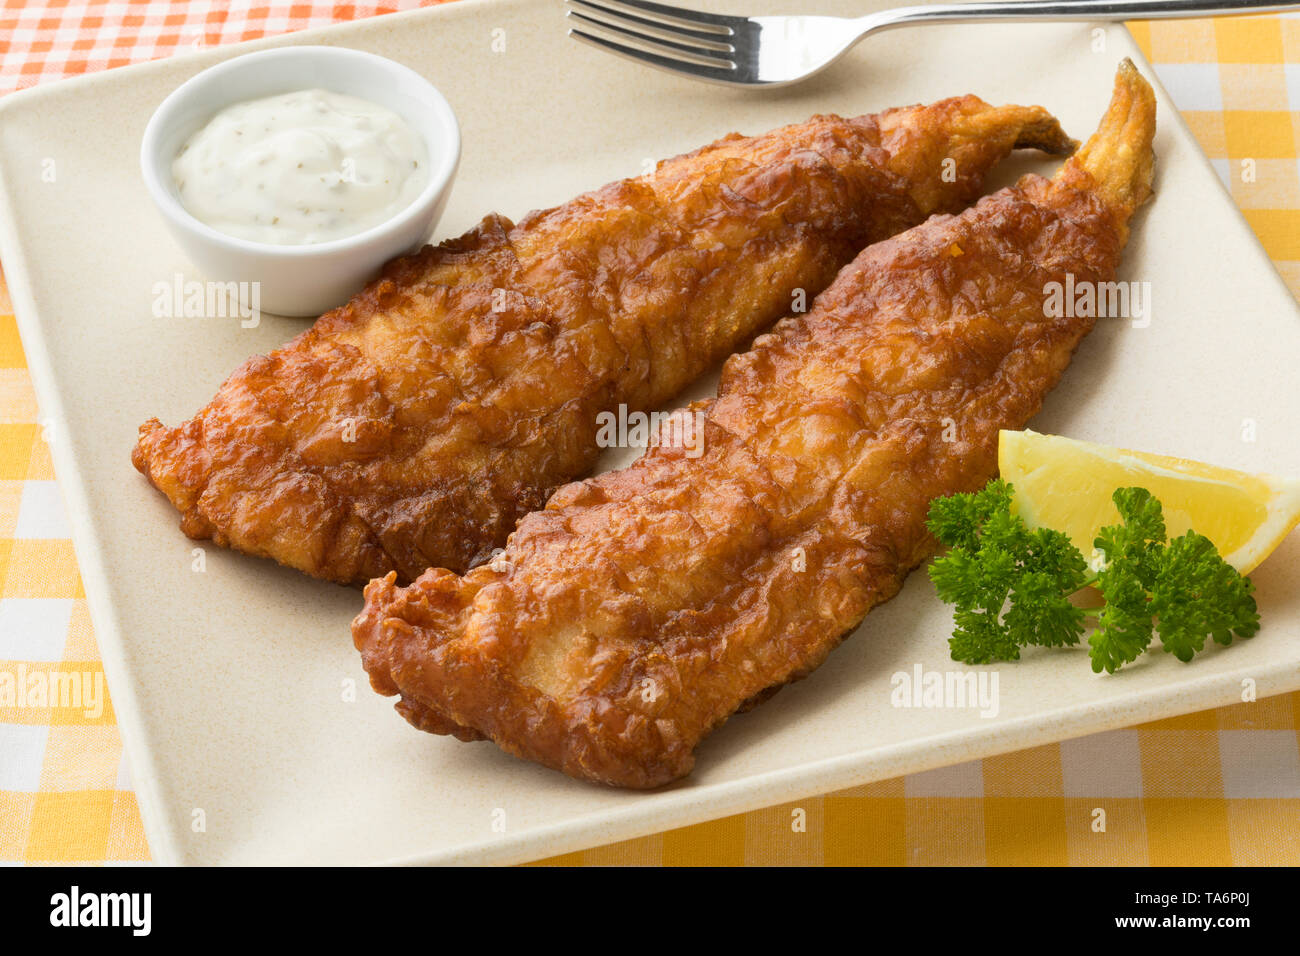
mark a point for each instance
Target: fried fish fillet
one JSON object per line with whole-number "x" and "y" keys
{"x": 413, "y": 426}
{"x": 643, "y": 607}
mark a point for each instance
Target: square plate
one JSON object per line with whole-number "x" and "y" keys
{"x": 232, "y": 685}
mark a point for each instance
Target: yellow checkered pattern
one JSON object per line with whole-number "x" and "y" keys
{"x": 64, "y": 796}
{"x": 1237, "y": 83}
{"x": 1217, "y": 787}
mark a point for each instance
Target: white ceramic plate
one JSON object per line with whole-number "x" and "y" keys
{"x": 230, "y": 684}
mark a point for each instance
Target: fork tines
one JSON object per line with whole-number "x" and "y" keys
{"x": 671, "y": 38}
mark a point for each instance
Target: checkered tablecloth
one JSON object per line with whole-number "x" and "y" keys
{"x": 1218, "y": 787}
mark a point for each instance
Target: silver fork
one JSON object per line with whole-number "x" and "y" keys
{"x": 775, "y": 51}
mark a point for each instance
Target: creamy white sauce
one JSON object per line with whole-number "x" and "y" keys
{"x": 299, "y": 168}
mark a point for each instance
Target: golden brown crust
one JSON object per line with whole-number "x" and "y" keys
{"x": 643, "y": 607}
{"x": 413, "y": 426}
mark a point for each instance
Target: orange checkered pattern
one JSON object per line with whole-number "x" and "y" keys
{"x": 1217, "y": 787}
{"x": 49, "y": 40}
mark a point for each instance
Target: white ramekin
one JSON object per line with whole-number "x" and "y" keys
{"x": 303, "y": 279}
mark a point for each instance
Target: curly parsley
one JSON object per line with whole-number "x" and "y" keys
{"x": 1011, "y": 585}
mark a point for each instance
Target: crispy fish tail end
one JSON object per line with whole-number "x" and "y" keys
{"x": 1042, "y": 131}
{"x": 1118, "y": 160}
{"x": 968, "y": 137}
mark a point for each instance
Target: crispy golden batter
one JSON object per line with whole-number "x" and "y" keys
{"x": 413, "y": 426}
{"x": 645, "y": 606}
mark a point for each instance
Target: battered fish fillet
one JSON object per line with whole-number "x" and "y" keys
{"x": 412, "y": 427}
{"x": 645, "y": 606}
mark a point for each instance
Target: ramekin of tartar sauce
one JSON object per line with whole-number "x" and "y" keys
{"x": 301, "y": 170}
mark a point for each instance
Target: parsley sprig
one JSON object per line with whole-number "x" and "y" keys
{"x": 1011, "y": 585}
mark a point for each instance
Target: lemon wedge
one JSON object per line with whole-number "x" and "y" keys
{"x": 1066, "y": 484}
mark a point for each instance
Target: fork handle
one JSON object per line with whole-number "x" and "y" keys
{"x": 1014, "y": 10}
